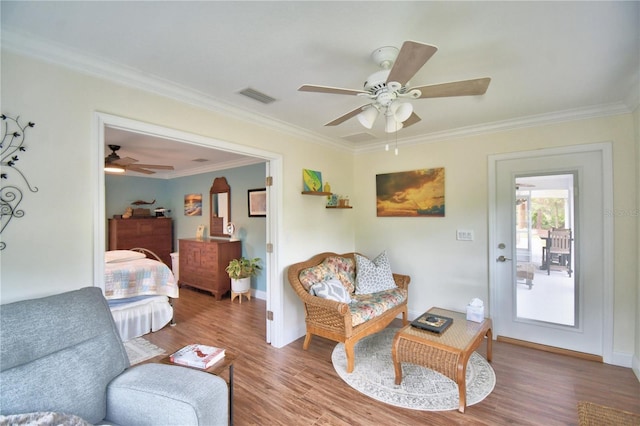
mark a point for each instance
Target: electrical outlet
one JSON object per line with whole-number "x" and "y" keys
{"x": 464, "y": 235}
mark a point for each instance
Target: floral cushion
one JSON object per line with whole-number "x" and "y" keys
{"x": 340, "y": 268}
{"x": 344, "y": 269}
{"x": 364, "y": 307}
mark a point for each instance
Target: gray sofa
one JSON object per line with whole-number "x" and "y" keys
{"x": 62, "y": 356}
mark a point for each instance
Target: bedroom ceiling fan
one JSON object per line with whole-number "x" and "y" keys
{"x": 387, "y": 89}
{"x": 113, "y": 163}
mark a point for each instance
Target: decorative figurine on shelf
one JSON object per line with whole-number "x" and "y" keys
{"x": 332, "y": 200}
{"x": 127, "y": 213}
{"x": 327, "y": 187}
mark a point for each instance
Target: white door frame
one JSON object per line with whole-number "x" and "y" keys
{"x": 607, "y": 181}
{"x": 274, "y": 293}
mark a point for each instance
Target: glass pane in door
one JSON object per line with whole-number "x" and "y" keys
{"x": 545, "y": 254}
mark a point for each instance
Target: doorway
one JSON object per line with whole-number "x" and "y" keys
{"x": 539, "y": 294}
{"x": 274, "y": 327}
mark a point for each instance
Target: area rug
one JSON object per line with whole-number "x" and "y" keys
{"x": 421, "y": 388}
{"x": 140, "y": 349}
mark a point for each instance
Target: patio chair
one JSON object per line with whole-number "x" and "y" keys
{"x": 559, "y": 245}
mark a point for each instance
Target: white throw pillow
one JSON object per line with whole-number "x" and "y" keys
{"x": 374, "y": 275}
{"x": 331, "y": 289}
{"x": 114, "y": 256}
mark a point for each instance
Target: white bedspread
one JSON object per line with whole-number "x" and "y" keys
{"x": 139, "y": 277}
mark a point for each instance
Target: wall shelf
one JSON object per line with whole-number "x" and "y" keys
{"x": 339, "y": 207}
{"x": 316, "y": 193}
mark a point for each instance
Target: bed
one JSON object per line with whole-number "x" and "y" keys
{"x": 140, "y": 291}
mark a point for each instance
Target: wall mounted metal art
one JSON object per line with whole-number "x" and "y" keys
{"x": 13, "y": 139}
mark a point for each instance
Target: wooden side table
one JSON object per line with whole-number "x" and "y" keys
{"x": 216, "y": 369}
{"x": 446, "y": 353}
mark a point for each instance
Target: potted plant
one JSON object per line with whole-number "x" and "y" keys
{"x": 240, "y": 271}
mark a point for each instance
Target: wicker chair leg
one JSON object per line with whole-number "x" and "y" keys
{"x": 351, "y": 355}
{"x": 307, "y": 341}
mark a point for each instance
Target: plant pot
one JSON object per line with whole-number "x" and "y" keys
{"x": 241, "y": 286}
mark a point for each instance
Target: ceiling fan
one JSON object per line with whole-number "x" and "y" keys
{"x": 386, "y": 88}
{"x": 113, "y": 163}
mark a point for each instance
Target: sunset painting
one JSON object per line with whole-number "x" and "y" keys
{"x": 418, "y": 193}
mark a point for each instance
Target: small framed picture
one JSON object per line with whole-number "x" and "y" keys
{"x": 257, "y": 202}
{"x": 200, "y": 232}
{"x": 193, "y": 205}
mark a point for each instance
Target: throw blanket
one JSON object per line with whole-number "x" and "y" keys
{"x": 140, "y": 277}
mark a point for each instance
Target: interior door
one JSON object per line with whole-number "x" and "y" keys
{"x": 583, "y": 330}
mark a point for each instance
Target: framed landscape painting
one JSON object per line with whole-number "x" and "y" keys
{"x": 417, "y": 193}
{"x": 193, "y": 205}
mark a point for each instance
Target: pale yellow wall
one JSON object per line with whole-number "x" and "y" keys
{"x": 50, "y": 249}
{"x": 448, "y": 273}
{"x": 636, "y": 357}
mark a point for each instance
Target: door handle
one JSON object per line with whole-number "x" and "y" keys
{"x": 502, "y": 259}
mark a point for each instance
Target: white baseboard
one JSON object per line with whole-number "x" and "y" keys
{"x": 635, "y": 366}
{"x": 622, "y": 359}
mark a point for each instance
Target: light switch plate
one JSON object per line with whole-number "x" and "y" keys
{"x": 464, "y": 235}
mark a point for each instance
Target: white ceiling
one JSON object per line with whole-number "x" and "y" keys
{"x": 548, "y": 61}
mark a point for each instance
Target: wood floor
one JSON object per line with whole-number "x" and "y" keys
{"x": 290, "y": 386}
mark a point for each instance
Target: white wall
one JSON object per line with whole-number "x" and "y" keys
{"x": 448, "y": 273}
{"x": 50, "y": 249}
{"x": 636, "y": 357}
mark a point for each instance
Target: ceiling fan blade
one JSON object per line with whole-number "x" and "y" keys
{"x": 154, "y": 166}
{"x": 139, "y": 170}
{"x": 413, "y": 119}
{"x": 124, "y": 161}
{"x": 473, "y": 87}
{"x": 412, "y": 57}
{"x": 346, "y": 116}
{"x": 331, "y": 90}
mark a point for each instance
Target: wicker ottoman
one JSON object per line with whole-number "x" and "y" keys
{"x": 446, "y": 353}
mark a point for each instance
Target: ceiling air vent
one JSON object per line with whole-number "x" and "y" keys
{"x": 359, "y": 137}
{"x": 258, "y": 96}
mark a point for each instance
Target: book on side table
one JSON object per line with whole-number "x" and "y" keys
{"x": 197, "y": 355}
{"x": 432, "y": 322}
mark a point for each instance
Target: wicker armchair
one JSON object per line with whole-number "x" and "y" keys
{"x": 332, "y": 320}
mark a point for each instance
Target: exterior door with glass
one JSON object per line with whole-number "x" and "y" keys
{"x": 547, "y": 256}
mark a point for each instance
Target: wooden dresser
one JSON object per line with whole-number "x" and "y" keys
{"x": 155, "y": 234}
{"x": 203, "y": 263}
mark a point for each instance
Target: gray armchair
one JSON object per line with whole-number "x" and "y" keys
{"x": 63, "y": 354}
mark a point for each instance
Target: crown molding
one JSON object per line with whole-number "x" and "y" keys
{"x": 511, "y": 124}
{"x": 62, "y": 56}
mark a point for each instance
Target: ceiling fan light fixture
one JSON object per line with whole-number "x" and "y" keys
{"x": 112, "y": 168}
{"x": 402, "y": 111}
{"x": 368, "y": 116}
{"x": 391, "y": 125}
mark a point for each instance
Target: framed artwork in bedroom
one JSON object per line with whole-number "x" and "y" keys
{"x": 257, "y": 200}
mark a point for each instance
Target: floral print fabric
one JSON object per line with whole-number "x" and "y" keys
{"x": 340, "y": 268}
{"x": 364, "y": 307}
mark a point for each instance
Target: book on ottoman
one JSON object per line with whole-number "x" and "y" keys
{"x": 432, "y": 322}
{"x": 196, "y": 355}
